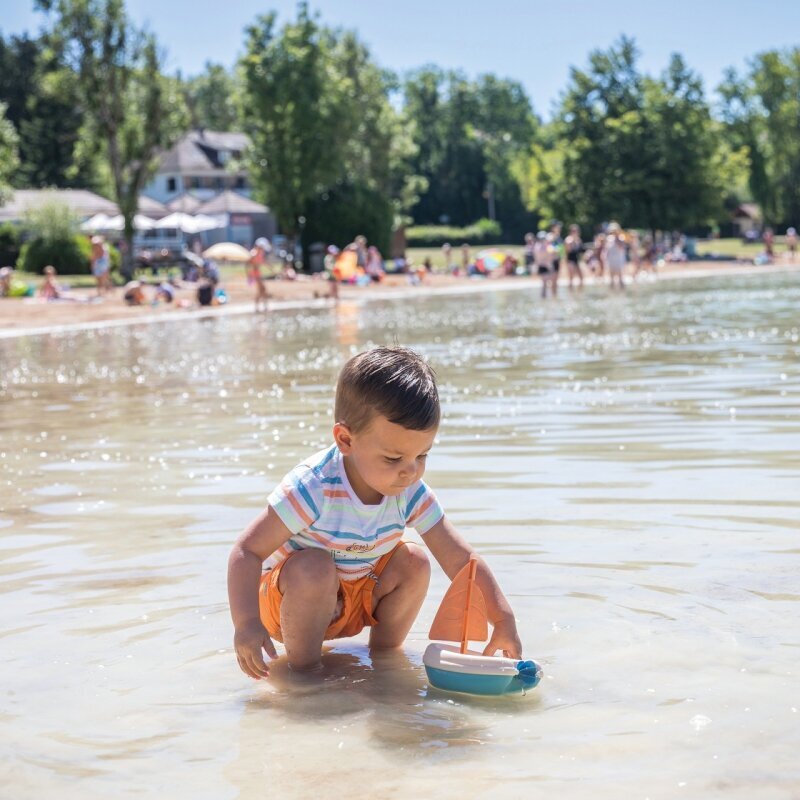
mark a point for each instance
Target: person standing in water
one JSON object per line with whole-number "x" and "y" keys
{"x": 616, "y": 256}
{"x": 557, "y": 251}
{"x": 543, "y": 259}
{"x": 574, "y": 248}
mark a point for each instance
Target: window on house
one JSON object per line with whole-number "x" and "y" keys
{"x": 241, "y": 183}
{"x": 171, "y": 184}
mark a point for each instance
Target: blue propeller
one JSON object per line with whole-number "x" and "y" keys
{"x": 530, "y": 673}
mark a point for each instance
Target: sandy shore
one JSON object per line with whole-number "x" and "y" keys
{"x": 29, "y": 316}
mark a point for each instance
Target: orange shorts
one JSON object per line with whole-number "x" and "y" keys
{"x": 356, "y": 599}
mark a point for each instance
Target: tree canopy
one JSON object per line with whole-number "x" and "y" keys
{"x": 640, "y": 149}
{"x": 130, "y": 108}
{"x": 318, "y": 114}
{"x": 211, "y": 99}
{"x": 8, "y": 153}
{"x": 761, "y": 112}
{"x": 88, "y": 105}
{"x": 468, "y": 134}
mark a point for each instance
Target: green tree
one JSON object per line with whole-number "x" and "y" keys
{"x": 761, "y": 112}
{"x": 317, "y": 112}
{"x": 468, "y": 135}
{"x": 293, "y": 115}
{"x": 506, "y": 127}
{"x": 131, "y": 108}
{"x": 18, "y": 56}
{"x": 688, "y": 165}
{"x": 8, "y": 153}
{"x": 211, "y": 98}
{"x": 642, "y": 150}
{"x": 443, "y": 107}
{"x": 44, "y": 107}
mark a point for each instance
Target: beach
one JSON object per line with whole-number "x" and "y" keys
{"x": 32, "y": 315}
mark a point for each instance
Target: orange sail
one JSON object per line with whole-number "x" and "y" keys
{"x": 462, "y": 614}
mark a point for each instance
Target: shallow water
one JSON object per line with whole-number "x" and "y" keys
{"x": 628, "y": 465}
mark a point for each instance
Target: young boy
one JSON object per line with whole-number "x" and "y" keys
{"x": 331, "y": 532}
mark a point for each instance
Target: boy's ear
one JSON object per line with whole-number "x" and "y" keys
{"x": 343, "y": 438}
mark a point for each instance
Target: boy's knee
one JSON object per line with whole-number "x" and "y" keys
{"x": 417, "y": 565}
{"x": 312, "y": 572}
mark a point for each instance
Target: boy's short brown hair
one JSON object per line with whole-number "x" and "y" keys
{"x": 393, "y": 382}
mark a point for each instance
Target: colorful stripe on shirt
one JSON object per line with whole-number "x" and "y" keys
{"x": 316, "y": 503}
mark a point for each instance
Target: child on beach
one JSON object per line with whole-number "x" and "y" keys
{"x": 49, "y": 289}
{"x": 331, "y": 534}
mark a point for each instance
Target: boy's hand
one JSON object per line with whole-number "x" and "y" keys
{"x": 248, "y": 642}
{"x": 505, "y": 638}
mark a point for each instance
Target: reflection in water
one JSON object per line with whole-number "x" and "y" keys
{"x": 628, "y": 465}
{"x": 385, "y": 692}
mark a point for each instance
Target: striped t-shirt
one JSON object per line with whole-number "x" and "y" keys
{"x": 317, "y": 504}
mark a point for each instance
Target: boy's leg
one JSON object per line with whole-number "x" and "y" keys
{"x": 309, "y": 585}
{"x": 398, "y": 596}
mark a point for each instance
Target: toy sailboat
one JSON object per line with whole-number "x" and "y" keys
{"x": 462, "y": 618}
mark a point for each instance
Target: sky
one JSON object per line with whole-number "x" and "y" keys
{"x": 533, "y": 42}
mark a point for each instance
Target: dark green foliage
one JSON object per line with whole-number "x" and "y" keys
{"x": 644, "y": 151}
{"x": 484, "y": 231}
{"x": 132, "y": 108}
{"x": 338, "y": 216}
{"x": 18, "y": 57}
{"x": 317, "y": 111}
{"x": 8, "y": 153}
{"x": 44, "y": 107}
{"x": 762, "y": 113}
{"x": 69, "y": 255}
{"x": 211, "y": 98}
{"x": 468, "y": 134}
{"x": 9, "y": 245}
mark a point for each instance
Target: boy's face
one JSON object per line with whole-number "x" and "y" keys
{"x": 386, "y": 458}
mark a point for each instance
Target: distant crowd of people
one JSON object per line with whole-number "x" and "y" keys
{"x": 612, "y": 252}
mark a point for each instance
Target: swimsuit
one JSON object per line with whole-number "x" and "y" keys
{"x": 355, "y": 596}
{"x": 100, "y": 266}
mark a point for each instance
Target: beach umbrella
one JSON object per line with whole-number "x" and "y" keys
{"x": 175, "y": 220}
{"x": 227, "y": 251}
{"x": 99, "y": 222}
{"x": 189, "y": 223}
{"x": 140, "y": 223}
{"x": 491, "y": 259}
{"x": 143, "y": 223}
{"x": 102, "y": 222}
{"x": 207, "y": 222}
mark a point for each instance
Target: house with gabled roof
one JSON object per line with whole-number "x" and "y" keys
{"x": 201, "y": 163}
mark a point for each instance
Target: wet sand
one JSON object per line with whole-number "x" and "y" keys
{"x": 26, "y": 316}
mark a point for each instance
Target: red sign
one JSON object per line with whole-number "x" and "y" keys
{"x": 241, "y": 219}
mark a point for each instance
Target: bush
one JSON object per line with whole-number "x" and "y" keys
{"x": 484, "y": 231}
{"x": 70, "y": 256}
{"x": 347, "y": 211}
{"x": 53, "y": 238}
{"x": 9, "y": 245}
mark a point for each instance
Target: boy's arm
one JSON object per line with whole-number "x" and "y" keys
{"x": 452, "y": 552}
{"x": 259, "y": 541}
